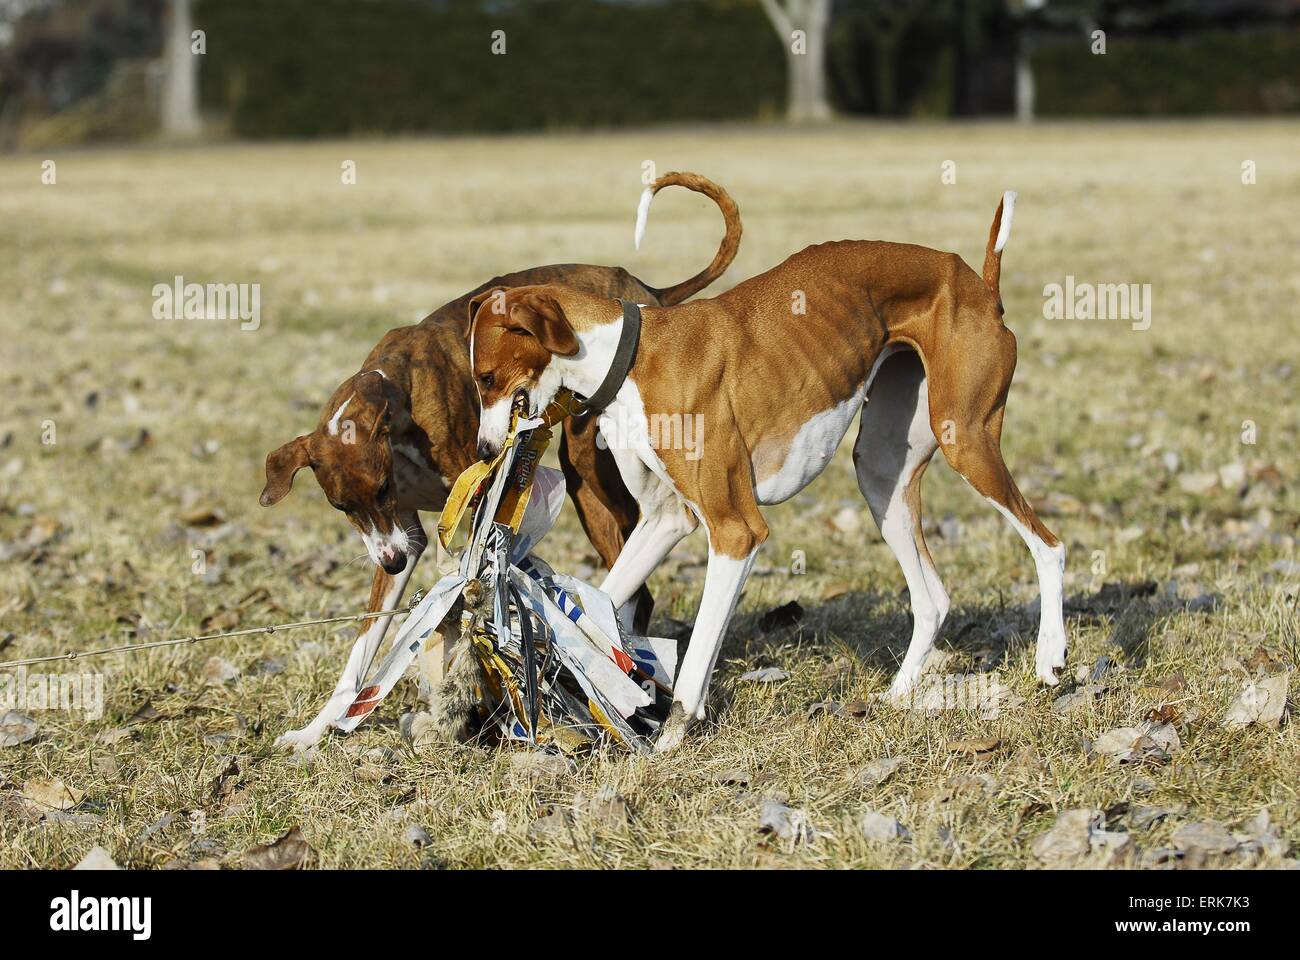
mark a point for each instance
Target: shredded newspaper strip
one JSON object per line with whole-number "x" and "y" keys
{"x": 558, "y": 668}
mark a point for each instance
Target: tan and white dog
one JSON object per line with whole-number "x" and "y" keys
{"x": 394, "y": 435}
{"x": 911, "y": 337}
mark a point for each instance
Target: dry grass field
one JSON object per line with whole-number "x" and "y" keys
{"x": 1165, "y": 458}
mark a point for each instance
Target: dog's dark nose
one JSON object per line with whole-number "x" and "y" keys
{"x": 394, "y": 565}
{"x": 485, "y": 451}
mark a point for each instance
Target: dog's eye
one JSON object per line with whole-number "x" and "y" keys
{"x": 488, "y": 381}
{"x": 386, "y": 489}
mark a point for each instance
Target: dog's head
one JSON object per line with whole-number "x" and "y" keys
{"x": 350, "y": 454}
{"x": 513, "y": 336}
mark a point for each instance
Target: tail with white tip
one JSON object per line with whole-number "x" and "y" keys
{"x": 999, "y": 234}
{"x": 730, "y": 240}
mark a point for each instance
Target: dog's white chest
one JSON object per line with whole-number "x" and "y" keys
{"x": 626, "y": 431}
{"x": 808, "y": 453}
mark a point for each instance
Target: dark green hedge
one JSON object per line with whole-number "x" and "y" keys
{"x": 1208, "y": 73}
{"x": 337, "y": 67}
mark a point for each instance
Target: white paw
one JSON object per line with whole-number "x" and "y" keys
{"x": 299, "y": 740}
{"x": 1049, "y": 657}
{"x": 903, "y": 683}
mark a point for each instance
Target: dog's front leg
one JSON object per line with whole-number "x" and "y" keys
{"x": 385, "y": 594}
{"x": 607, "y": 511}
{"x": 723, "y": 581}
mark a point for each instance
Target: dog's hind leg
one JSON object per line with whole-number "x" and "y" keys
{"x": 894, "y": 446}
{"x": 386, "y": 592}
{"x": 966, "y": 411}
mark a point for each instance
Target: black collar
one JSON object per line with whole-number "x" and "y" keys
{"x": 624, "y": 356}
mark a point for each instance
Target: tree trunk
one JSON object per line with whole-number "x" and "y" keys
{"x": 819, "y": 21}
{"x": 1024, "y": 79}
{"x": 805, "y": 71}
{"x": 180, "y": 101}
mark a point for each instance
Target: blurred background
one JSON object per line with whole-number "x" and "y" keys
{"x": 79, "y": 71}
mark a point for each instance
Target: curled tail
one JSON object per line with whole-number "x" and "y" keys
{"x": 730, "y": 240}
{"x": 999, "y": 234}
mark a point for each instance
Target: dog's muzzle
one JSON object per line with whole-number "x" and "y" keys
{"x": 494, "y": 423}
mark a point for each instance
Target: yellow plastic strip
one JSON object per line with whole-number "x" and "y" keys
{"x": 515, "y": 501}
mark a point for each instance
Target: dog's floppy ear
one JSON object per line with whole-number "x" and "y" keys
{"x": 281, "y": 465}
{"x": 379, "y": 425}
{"x": 539, "y": 314}
{"x": 498, "y": 297}
{"x": 374, "y": 391}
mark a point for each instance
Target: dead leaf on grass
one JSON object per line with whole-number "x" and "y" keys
{"x": 218, "y": 671}
{"x": 553, "y": 824}
{"x": 1142, "y": 817}
{"x": 114, "y": 735}
{"x": 1261, "y": 702}
{"x": 536, "y": 765}
{"x": 833, "y": 590}
{"x": 52, "y": 794}
{"x": 145, "y": 713}
{"x": 203, "y": 516}
{"x": 221, "y": 621}
{"x": 882, "y": 828}
{"x": 225, "y": 782}
{"x": 1260, "y": 839}
{"x": 878, "y": 771}
{"x": 1079, "y": 700}
{"x": 606, "y": 808}
{"x": 1165, "y": 713}
{"x": 97, "y": 859}
{"x": 17, "y": 728}
{"x": 1151, "y": 741}
{"x": 1069, "y": 839}
{"x": 828, "y": 708}
{"x": 765, "y": 675}
{"x": 1174, "y": 683}
{"x": 785, "y": 822}
{"x": 966, "y": 786}
{"x": 290, "y": 852}
{"x": 417, "y": 836}
{"x": 735, "y": 777}
{"x": 1206, "y": 836}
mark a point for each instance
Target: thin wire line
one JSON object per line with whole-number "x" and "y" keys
{"x": 246, "y": 632}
